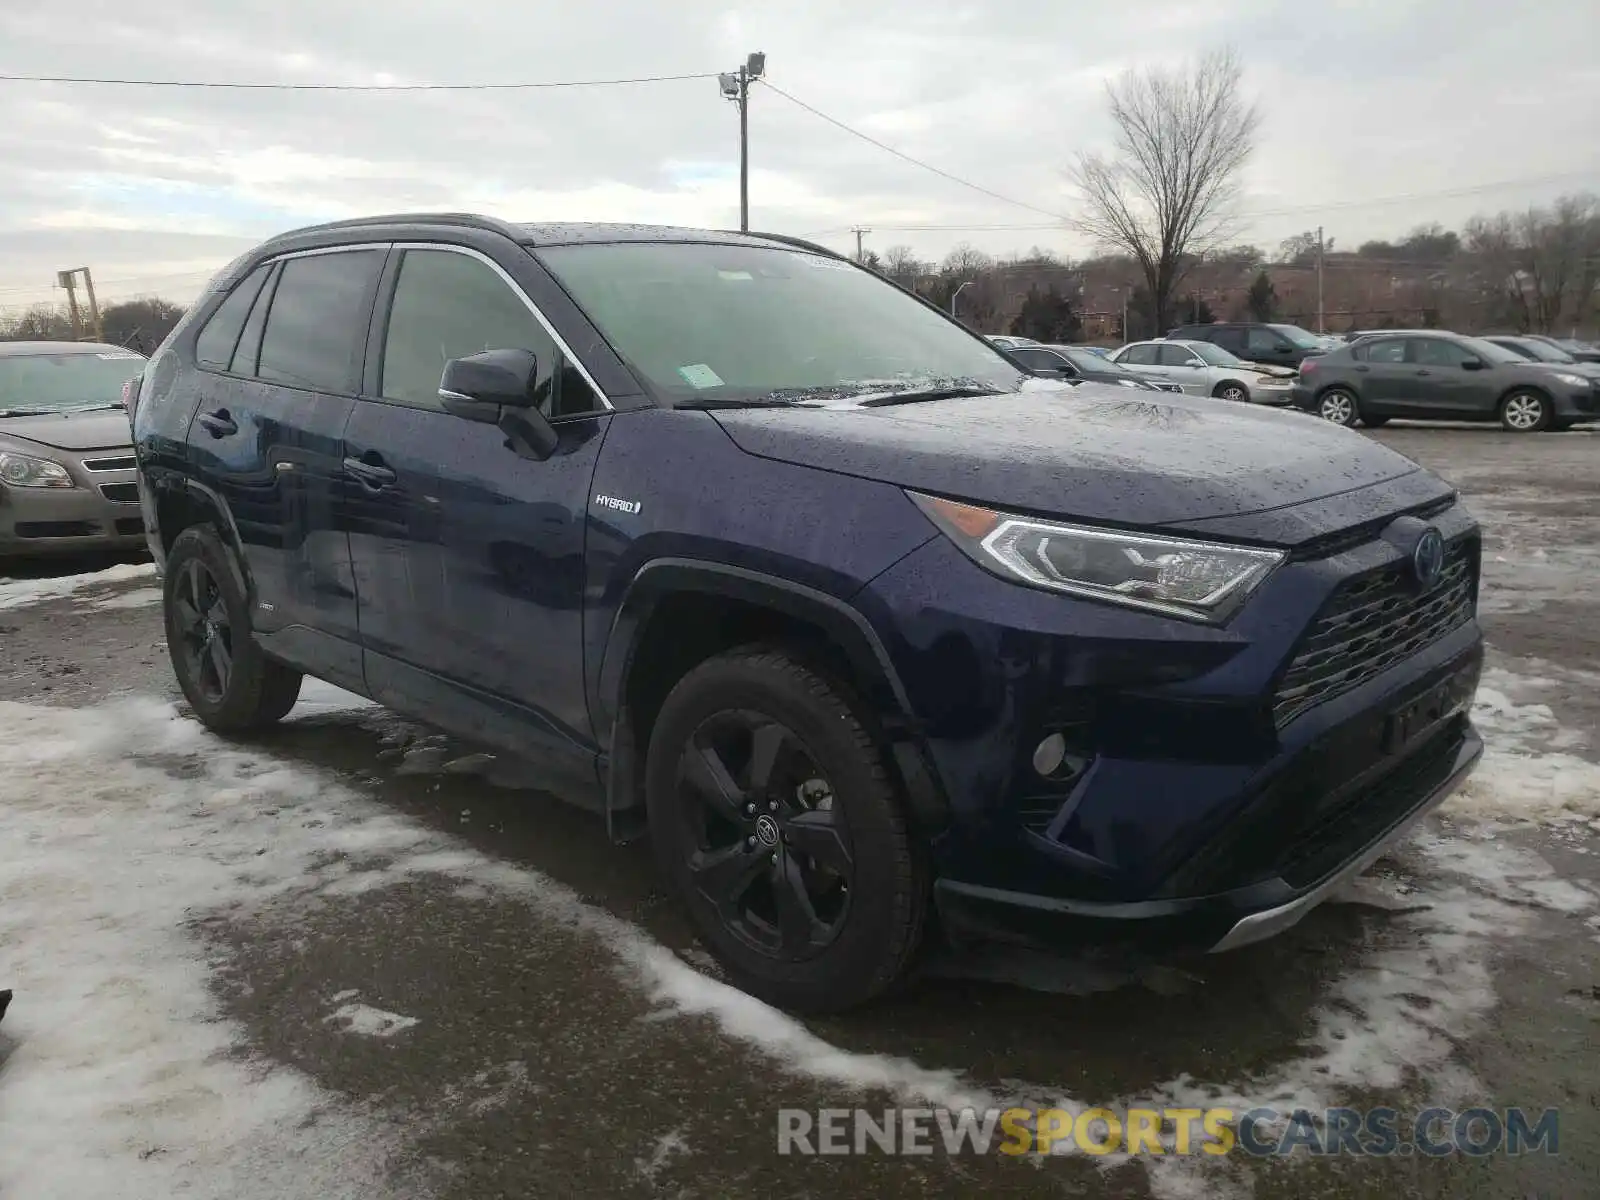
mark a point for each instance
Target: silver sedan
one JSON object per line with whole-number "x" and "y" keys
{"x": 1203, "y": 369}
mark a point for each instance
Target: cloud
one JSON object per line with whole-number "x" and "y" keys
{"x": 1360, "y": 102}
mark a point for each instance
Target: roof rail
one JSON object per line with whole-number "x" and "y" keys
{"x": 467, "y": 220}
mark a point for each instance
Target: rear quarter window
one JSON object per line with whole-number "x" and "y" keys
{"x": 213, "y": 348}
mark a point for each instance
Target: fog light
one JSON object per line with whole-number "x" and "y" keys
{"x": 1049, "y": 754}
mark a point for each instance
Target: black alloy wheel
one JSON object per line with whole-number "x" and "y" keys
{"x": 767, "y": 848}
{"x": 204, "y": 631}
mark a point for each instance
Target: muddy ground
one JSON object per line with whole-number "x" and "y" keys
{"x": 361, "y": 960}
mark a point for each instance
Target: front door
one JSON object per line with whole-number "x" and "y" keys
{"x": 1184, "y": 367}
{"x": 468, "y": 557}
{"x": 268, "y": 432}
{"x": 1441, "y": 383}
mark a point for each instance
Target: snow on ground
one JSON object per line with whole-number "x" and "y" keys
{"x": 132, "y": 822}
{"x": 138, "y": 598}
{"x": 1531, "y": 772}
{"x": 17, "y": 593}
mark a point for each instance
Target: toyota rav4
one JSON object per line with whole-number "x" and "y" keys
{"x": 878, "y": 637}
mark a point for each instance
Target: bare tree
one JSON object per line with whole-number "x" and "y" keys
{"x": 966, "y": 262}
{"x": 901, "y": 264}
{"x": 1539, "y": 268}
{"x": 1167, "y": 192}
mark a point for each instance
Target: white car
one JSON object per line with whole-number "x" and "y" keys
{"x": 1203, "y": 369}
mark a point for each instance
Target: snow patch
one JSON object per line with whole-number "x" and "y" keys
{"x": 17, "y": 593}
{"x": 138, "y": 598}
{"x": 368, "y": 1021}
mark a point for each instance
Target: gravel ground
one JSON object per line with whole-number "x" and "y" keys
{"x": 354, "y": 958}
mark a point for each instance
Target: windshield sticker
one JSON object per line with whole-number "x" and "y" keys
{"x": 116, "y": 356}
{"x": 698, "y": 375}
{"x": 735, "y": 276}
{"x": 826, "y": 264}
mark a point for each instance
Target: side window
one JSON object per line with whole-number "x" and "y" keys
{"x": 449, "y": 305}
{"x": 1262, "y": 339}
{"x": 249, "y": 348}
{"x": 317, "y": 323}
{"x": 1231, "y": 340}
{"x": 1390, "y": 350}
{"x": 1140, "y": 356}
{"x": 1435, "y": 352}
{"x": 214, "y": 347}
{"x": 1037, "y": 360}
{"x": 1175, "y": 356}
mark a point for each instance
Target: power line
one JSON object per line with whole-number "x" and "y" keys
{"x": 352, "y": 87}
{"x": 901, "y": 154}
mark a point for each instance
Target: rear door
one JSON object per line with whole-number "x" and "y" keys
{"x": 468, "y": 557}
{"x": 268, "y": 434}
{"x": 1382, "y": 377}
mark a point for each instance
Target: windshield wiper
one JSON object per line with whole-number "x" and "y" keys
{"x": 26, "y": 412}
{"x": 918, "y": 395}
{"x": 733, "y": 402}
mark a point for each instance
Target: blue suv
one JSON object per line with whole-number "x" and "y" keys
{"x": 875, "y": 634}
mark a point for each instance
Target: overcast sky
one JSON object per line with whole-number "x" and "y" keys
{"x": 1438, "y": 101}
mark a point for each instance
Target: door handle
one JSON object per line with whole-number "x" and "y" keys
{"x": 218, "y": 424}
{"x": 1424, "y": 372}
{"x": 370, "y": 474}
{"x": 1362, "y": 370}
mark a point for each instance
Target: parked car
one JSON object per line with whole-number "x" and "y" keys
{"x": 66, "y": 452}
{"x": 1098, "y": 351}
{"x": 1064, "y": 362}
{"x": 750, "y": 548}
{"x": 1255, "y": 342}
{"x": 1443, "y": 375}
{"x": 1203, "y": 369}
{"x": 1008, "y": 341}
{"x": 1536, "y": 350}
{"x": 1582, "y": 351}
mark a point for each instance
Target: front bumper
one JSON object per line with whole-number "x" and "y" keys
{"x": 1275, "y": 395}
{"x": 100, "y": 513}
{"x": 1215, "y": 923}
{"x": 1215, "y": 790}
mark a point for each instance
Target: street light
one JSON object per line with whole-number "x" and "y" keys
{"x": 735, "y": 86}
{"x": 958, "y": 292}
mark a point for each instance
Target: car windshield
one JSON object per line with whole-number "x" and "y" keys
{"x": 718, "y": 324}
{"x": 1085, "y": 360}
{"x": 1214, "y": 355}
{"x": 1542, "y": 351}
{"x": 33, "y": 383}
{"x": 1302, "y": 338}
{"x": 1490, "y": 352}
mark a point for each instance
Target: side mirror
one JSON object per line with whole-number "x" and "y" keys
{"x": 497, "y": 387}
{"x": 1473, "y": 364}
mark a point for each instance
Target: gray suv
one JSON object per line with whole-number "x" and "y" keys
{"x": 1442, "y": 376}
{"x": 67, "y": 479}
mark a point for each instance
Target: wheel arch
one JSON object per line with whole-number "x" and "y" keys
{"x": 724, "y": 606}
{"x": 1223, "y": 385}
{"x": 185, "y": 503}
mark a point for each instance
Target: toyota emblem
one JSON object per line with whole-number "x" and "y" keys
{"x": 767, "y": 830}
{"x": 1427, "y": 559}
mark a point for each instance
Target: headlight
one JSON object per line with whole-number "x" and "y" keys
{"x": 1201, "y": 581}
{"x": 1571, "y": 380}
{"x": 23, "y": 470}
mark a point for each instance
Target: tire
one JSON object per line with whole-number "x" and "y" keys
{"x": 1231, "y": 390}
{"x": 1374, "y": 422}
{"x": 231, "y": 685}
{"x": 1340, "y": 406}
{"x": 731, "y": 838}
{"x": 1525, "y": 411}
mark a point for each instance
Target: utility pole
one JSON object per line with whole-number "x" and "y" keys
{"x": 1322, "y": 323}
{"x": 735, "y": 86}
{"x": 858, "y": 231}
{"x": 69, "y": 280}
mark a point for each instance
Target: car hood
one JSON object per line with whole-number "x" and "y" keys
{"x": 1273, "y": 371}
{"x": 1094, "y": 453}
{"x": 101, "y": 429}
{"x": 1588, "y": 370}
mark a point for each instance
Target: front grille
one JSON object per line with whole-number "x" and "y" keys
{"x": 1371, "y": 623}
{"x": 121, "y": 493}
{"x": 110, "y": 464}
{"x": 56, "y": 529}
